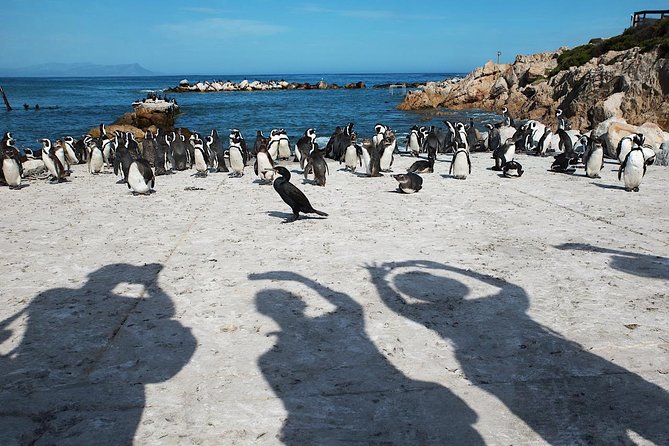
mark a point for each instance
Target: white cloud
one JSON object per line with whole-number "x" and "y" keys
{"x": 368, "y": 14}
{"x": 219, "y": 28}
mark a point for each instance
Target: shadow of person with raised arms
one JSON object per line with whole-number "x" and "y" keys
{"x": 338, "y": 388}
{"x": 565, "y": 394}
{"x": 77, "y": 376}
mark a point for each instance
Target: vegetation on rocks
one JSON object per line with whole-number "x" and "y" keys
{"x": 647, "y": 38}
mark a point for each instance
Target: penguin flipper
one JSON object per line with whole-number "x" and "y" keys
{"x": 469, "y": 161}
{"x": 622, "y": 167}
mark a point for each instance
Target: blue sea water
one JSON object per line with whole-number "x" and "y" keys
{"x": 72, "y": 106}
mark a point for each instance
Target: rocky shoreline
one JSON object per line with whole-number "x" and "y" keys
{"x": 217, "y": 86}
{"x": 631, "y": 84}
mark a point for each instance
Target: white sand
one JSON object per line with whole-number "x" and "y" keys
{"x": 209, "y": 241}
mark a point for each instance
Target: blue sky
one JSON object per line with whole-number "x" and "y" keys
{"x": 271, "y": 36}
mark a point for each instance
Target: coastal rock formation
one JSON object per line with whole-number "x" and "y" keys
{"x": 633, "y": 84}
{"x": 213, "y": 86}
{"x": 149, "y": 114}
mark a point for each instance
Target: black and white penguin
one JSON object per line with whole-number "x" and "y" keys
{"x": 494, "y": 138}
{"x": 332, "y": 142}
{"x": 461, "y": 136}
{"x": 52, "y": 163}
{"x": 305, "y": 145}
{"x": 140, "y": 177}
{"x": 237, "y": 138}
{"x": 422, "y": 166}
{"x": 379, "y": 134}
{"x": 284, "y": 145}
{"x": 372, "y": 158}
{"x": 58, "y": 149}
{"x": 70, "y": 152}
{"x": 352, "y": 154}
{"x": 565, "y": 161}
{"x": 461, "y": 164}
{"x": 387, "y": 148}
{"x": 473, "y": 136}
{"x": 409, "y": 183}
{"x": 431, "y": 144}
{"x": 545, "y": 142}
{"x": 237, "y": 158}
{"x": 292, "y": 196}
{"x": 562, "y": 123}
{"x": 12, "y": 168}
{"x": 514, "y": 167}
{"x": 504, "y": 154}
{"x": 593, "y": 158}
{"x": 414, "y": 141}
{"x": 217, "y": 146}
{"x": 200, "y": 155}
{"x": 508, "y": 119}
{"x": 163, "y": 153}
{"x": 317, "y": 165}
{"x": 96, "y": 158}
{"x": 264, "y": 164}
{"x": 211, "y": 153}
{"x": 633, "y": 167}
{"x": 272, "y": 144}
{"x": 180, "y": 151}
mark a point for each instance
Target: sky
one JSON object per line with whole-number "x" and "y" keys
{"x": 282, "y": 36}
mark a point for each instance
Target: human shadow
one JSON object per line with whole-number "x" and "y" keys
{"x": 642, "y": 265}
{"x": 566, "y": 394}
{"x": 338, "y": 388}
{"x": 78, "y": 373}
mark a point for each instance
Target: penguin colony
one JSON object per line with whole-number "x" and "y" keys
{"x": 165, "y": 152}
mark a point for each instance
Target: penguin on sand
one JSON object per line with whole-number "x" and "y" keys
{"x": 200, "y": 156}
{"x": 217, "y": 147}
{"x": 422, "y": 166}
{"x": 512, "y": 166}
{"x": 461, "y": 164}
{"x": 140, "y": 179}
{"x": 317, "y": 165}
{"x": 11, "y": 166}
{"x": 593, "y": 158}
{"x": 292, "y": 196}
{"x": 52, "y": 163}
{"x": 633, "y": 168}
{"x": 352, "y": 155}
{"x": 409, "y": 183}
{"x": 264, "y": 165}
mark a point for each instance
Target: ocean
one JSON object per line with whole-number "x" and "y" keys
{"x": 72, "y": 106}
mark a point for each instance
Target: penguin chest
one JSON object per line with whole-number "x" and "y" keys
{"x": 460, "y": 165}
{"x": 50, "y": 165}
{"x": 414, "y": 147}
{"x": 60, "y": 154}
{"x": 236, "y": 160}
{"x": 366, "y": 159}
{"x": 96, "y": 161}
{"x": 377, "y": 139}
{"x": 200, "y": 164}
{"x": 136, "y": 180}
{"x": 273, "y": 148}
{"x": 625, "y": 149}
{"x": 509, "y": 153}
{"x": 386, "y": 159}
{"x": 265, "y": 169}
{"x": 594, "y": 164}
{"x": 71, "y": 155}
{"x": 351, "y": 158}
{"x": 284, "y": 149}
{"x": 10, "y": 169}
{"x": 633, "y": 172}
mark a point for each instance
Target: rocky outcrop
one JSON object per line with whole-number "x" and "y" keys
{"x": 148, "y": 114}
{"x": 213, "y": 86}
{"x": 630, "y": 84}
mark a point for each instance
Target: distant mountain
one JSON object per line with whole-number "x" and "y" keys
{"x": 77, "y": 70}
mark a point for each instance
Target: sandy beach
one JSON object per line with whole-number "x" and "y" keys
{"x": 486, "y": 311}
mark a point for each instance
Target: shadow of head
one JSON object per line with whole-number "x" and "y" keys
{"x": 426, "y": 287}
{"x": 280, "y": 305}
{"x": 108, "y": 276}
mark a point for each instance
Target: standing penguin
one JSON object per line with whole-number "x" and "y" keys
{"x": 305, "y": 145}
{"x": 59, "y": 150}
{"x": 461, "y": 137}
{"x": 352, "y": 154}
{"x": 379, "y": 134}
{"x": 96, "y": 158}
{"x": 264, "y": 165}
{"x": 52, "y": 163}
{"x": 431, "y": 143}
{"x": 236, "y": 137}
{"x": 593, "y": 158}
{"x": 414, "y": 141}
{"x": 461, "y": 164}
{"x": 494, "y": 139}
{"x": 317, "y": 165}
{"x": 70, "y": 152}
{"x": 387, "y": 148}
{"x": 163, "y": 153}
{"x": 507, "y": 118}
{"x": 562, "y": 123}
{"x": 409, "y": 183}
{"x": 272, "y": 144}
{"x": 237, "y": 159}
{"x": 12, "y": 169}
{"x": 292, "y": 196}
{"x": 284, "y": 145}
{"x": 217, "y": 146}
{"x": 180, "y": 151}
{"x": 200, "y": 155}
{"x": 633, "y": 168}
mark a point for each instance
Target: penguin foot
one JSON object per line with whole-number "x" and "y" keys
{"x": 636, "y": 189}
